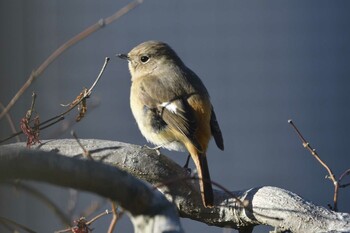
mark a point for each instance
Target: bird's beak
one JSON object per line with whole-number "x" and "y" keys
{"x": 123, "y": 56}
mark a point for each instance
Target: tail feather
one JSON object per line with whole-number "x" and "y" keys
{"x": 216, "y": 131}
{"x": 206, "y": 189}
{"x": 205, "y": 182}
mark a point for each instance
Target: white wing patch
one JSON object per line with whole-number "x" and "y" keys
{"x": 170, "y": 106}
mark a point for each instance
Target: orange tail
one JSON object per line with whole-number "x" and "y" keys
{"x": 200, "y": 160}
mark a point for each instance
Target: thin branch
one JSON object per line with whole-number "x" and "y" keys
{"x": 82, "y": 35}
{"x": 31, "y": 110}
{"x": 10, "y": 121}
{"x": 75, "y": 103}
{"x": 11, "y": 136}
{"x": 40, "y": 128}
{"x": 122, "y": 11}
{"x": 347, "y": 172}
{"x": 99, "y": 75}
{"x": 86, "y": 95}
{"x": 8, "y": 226}
{"x": 64, "y": 230}
{"x": 80, "y": 226}
{"x": 70, "y": 122}
{"x": 82, "y": 220}
{"x": 344, "y": 185}
{"x": 106, "y": 212}
{"x": 43, "y": 198}
{"x": 92, "y": 208}
{"x": 18, "y": 225}
{"x": 317, "y": 157}
{"x": 52, "y": 123}
{"x": 114, "y": 218}
{"x": 313, "y": 152}
{"x": 32, "y": 132}
{"x": 177, "y": 179}
{"x": 72, "y": 201}
{"x": 86, "y": 153}
{"x": 243, "y": 204}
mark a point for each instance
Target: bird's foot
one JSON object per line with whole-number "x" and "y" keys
{"x": 156, "y": 148}
{"x": 187, "y": 169}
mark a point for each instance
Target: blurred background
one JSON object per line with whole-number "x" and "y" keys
{"x": 263, "y": 62}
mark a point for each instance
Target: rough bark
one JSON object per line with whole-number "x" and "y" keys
{"x": 272, "y": 206}
{"x": 149, "y": 211}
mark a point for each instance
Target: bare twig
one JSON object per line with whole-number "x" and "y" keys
{"x": 106, "y": 212}
{"x": 122, "y": 11}
{"x": 75, "y": 103}
{"x": 164, "y": 183}
{"x": 86, "y": 95}
{"x": 11, "y": 136}
{"x": 313, "y": 152}
{"x": 80, "y": 100}
{"x": 339, "y": 185}
{"x": 243, "y": 204}
{"x": 72, "y": 201}
{"x": 8, "y": 226}
{"x": 82, "y": 35}
{"x": 114, "y": 218}
{"x": 86, "y": 223}
{"x": 345, "y": 173}
{"x": 92, "y": 208}
{"x": 80, "y": 226}
{"x": 10, "y": 121}
{"x": 31, "y": 110}
{"x": 70, "y": 122}
{"x": 43, "y": 198}
{"x": 32, "y": 132}
{"x": 40, "y": 128}
{"x": 18, "y": 225}
{"x": 86, "y": 153}
{"x": 344, "y": 185}
{"x": 52, "y": 123}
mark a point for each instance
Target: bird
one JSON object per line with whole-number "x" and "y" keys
{"x": 172, "y": 107}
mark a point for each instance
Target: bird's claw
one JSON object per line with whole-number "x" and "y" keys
{"x": 156, "y": 148}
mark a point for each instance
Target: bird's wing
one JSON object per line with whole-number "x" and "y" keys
{"x": 171, "y": 105}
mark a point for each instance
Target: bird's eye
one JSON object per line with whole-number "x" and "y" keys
{"x": 144, "y": 59}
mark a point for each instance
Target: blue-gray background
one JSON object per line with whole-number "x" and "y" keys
{"x": 263, "y": 63}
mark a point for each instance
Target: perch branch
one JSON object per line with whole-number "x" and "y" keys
{"x": 272, "y": 206}
{"x": 147, "y": 207}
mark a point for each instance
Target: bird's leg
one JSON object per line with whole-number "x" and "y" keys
{"x": 186, "y": 164}
{"x": 156, "y": 148}
{"x": 187, "y": 161}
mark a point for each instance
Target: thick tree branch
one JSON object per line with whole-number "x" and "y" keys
{"x": 149, "y": 210}
{"x": 272, "y": 206}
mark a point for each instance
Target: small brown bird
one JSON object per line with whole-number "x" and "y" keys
{"x": 172, "y": 107}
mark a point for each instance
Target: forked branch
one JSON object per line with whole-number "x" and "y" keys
{"x": 331, "y": 175}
